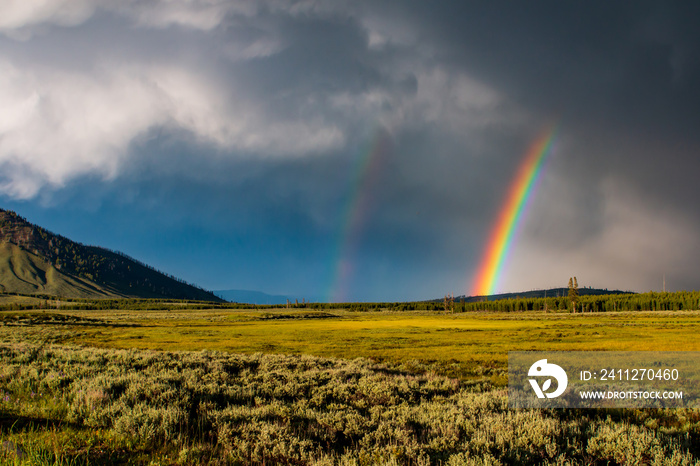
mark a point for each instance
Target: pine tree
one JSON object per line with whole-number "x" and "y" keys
{"x": 573, "y": 292}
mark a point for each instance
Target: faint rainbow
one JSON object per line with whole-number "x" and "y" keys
{"x": 503, "y": 233}
{"x": 364, "y": 174}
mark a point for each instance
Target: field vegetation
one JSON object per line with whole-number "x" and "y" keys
{"x": 461, "y": 345}
{"x": 78, "y": 406}
{"x": 175, "y": 384}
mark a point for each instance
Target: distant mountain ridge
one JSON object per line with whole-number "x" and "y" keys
{"x": 251, "y": 297}
{"x": 259, "y": 297}
{"x": 548, "y": 293}
{"x": 34, "y": 260}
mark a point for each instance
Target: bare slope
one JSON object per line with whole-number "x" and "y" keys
{"x": 34, "y": 260}
{"x": 24, "y": 272}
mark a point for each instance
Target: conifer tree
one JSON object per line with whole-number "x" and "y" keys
{"x": 573, "y": 292}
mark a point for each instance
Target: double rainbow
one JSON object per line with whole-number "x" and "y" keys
{"x": 504, "y": 230}
{"x": 364, "y": 177}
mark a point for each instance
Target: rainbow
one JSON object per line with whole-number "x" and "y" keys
{"x": 509, "y": 218}
{"x": 364, "y": 176}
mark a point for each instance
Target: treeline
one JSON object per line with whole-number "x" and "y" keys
{"x": 80, "y": 304}
{"x": 651, "y": 301}
{"x": 86, "y": 304}
{"x": 150, "y": 267}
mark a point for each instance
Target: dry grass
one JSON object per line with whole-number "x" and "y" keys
{"x": 460, "y": 345}
{"x": 85, "y": 387}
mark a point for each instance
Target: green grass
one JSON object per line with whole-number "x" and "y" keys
{"x": 463, "y": 345}
{"x": 236, "y": 387}
{"x": 24, "y": 272}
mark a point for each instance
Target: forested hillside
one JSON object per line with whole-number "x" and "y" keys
{"x": 98, "y": 270}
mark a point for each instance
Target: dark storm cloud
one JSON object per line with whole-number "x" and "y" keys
{"x": 253, "y": 119}
{"x": 622, "y": 79}
{"x": 623, "y": 73}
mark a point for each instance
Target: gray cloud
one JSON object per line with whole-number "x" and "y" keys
{"x": 273, "y": 104}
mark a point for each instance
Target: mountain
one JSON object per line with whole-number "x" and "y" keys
{"x": 27, "y": 273}
{"x": 550, "y": 293}
{"x": 251, "y": 297}
{"x": 258, "y": 297}
{"x": 34, "y": 260}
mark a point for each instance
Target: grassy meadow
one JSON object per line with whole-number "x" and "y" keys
{"x": 288, "y": 386}
{"x": 463, "y": 345}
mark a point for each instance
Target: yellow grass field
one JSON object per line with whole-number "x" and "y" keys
{"x": 461, "y": 344}
{"x": 259, "y": 387}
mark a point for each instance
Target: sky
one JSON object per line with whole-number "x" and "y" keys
{"x": 358, "y": 150}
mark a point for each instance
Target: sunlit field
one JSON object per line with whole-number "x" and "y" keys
{"x": 460, "y": 344}
{"x": 286, "y": 386}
